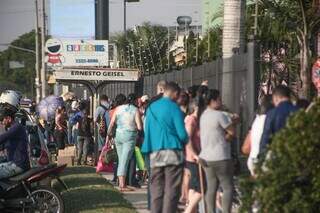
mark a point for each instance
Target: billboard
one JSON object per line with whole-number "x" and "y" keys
{"x": 97, "y": 74}
{"x": 72, "y": 19}
{"x": 71, "y": 53}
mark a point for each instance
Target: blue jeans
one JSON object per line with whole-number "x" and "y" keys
{"x": 125, "y": 150}
{"x": 9, "y": 169}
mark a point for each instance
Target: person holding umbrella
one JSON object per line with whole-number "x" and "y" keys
{"x": 60, "y": 129}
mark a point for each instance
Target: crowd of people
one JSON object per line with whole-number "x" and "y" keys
{"x": 185, "y": 136}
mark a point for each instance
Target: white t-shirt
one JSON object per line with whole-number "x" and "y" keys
{"x": 256, "y": 134}
{"x": 214, "y": 146}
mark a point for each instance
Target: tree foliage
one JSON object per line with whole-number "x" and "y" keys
{"x": 21, "y": 79}
{"x": 286, "y": 31}
{"x": 290, "y": 178}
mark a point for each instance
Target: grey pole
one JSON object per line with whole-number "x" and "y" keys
{"x": 125, "y": 17}
{"x": 43, "y": 63}
{"x": 37, "y": 80}
{"x": 168, "y": 48}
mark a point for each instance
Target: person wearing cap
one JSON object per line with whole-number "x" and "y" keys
{"x": 15, "y": 142}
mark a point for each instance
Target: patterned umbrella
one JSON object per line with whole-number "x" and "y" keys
{"x": 48, "y": 106}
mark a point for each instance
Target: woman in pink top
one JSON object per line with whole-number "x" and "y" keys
{"x": 192, "y": 150}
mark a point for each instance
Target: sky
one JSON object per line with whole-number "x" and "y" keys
{"x": 18, "y": 16}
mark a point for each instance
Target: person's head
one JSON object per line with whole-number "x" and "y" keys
{"x": 83, "y": 106}
{"x": 104, "y": 100}
{"x": 161, "y": 87}
{"x": 183, "y": 99}
{"x": 172, "y": 91}
{"x": 132, "y": 99}
{"x": 6, "y": 117}
{"x": 265, "y": 104}
{"x": 201, "y": 99}
{"x": 213, "y": 99}
{"x": 280, "y": 94}
{"x": 302, "y": 103}
{"x": 192, "y": 91}
{"x": 61, "y": 109}
{"x": 120, "y": 99}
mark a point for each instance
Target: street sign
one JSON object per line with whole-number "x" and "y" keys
{"x": 316, "y": 75}
{"x": 97, "y": 74}
{"x": 70, "y": 53}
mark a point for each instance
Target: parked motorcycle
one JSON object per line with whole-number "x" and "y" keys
{"x": 22, "y": 193}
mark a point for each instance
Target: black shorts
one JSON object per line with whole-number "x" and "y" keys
{"x": 60, "y": 137}
{"x": 195, "y": 177}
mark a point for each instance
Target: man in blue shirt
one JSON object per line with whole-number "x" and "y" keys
{"x": 16, "y": 145}
{"x": 277, "y": 117}
{"x": 165, "y": 138}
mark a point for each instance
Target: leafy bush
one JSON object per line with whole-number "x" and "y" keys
{"x": 290, "y": 178}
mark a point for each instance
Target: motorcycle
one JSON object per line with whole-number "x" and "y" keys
{"x": 22, "y": 193}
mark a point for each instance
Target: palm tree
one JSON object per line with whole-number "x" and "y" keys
{"x": 233, "y": 42}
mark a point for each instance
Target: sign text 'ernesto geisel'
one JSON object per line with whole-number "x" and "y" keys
{"x": 97, "y": 74}
{"x": 71, "y": 53}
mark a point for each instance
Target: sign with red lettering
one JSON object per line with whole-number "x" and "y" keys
{"x": 97, "y": 74}
{"x": 316, "y": 75}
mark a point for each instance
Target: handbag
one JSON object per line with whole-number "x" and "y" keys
{"x": 246, "y": 146}
{"x": 111, "y": 153}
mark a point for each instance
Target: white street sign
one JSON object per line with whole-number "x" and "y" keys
{"x": 97, "y": 74}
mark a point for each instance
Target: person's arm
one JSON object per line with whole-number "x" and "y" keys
{"x": 178, "y": 120}
{"x": 138, "y": 120}
{"x": 228, "y": 126}
{"x": 112, "y": 122}
{"x": 267, "y": 132}
{"x": 12, "y": 132}
{"x": 190, "y": 127}
{"x": 57, "y": 120}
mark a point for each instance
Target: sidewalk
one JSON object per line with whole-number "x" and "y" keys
{"x": 137, "y": 198}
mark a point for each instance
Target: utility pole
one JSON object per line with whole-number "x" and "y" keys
{"x": 37, "y": 80}
{"x": 43, "y": 63}
{"x": 168, "y": 48}
{"x": 125, "y": 17}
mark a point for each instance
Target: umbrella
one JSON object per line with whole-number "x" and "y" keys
{"x": 68, "y": 96}
{"x": 48, "y": 106}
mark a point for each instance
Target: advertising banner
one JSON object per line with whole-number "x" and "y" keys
{"x": 316, "y": 75}
{"x": 71, "y": 53}
{"x": 97, "y": 74}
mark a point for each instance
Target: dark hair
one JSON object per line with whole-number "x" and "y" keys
{"x": 303, "y": 103}
{"x": 184, "y": 99}
{"x": 6, "y": 112}
{"x": 82, "y": 105}
{"x": 265, "y": 105}
{"x": 211, "y": 94}
{"x": 282, "y": 91}
{"x": 132, "y": 98}
{"x": 120, "y": 99}
{"x": 193, "y": 90}
{"x": 173, "y": 87}
{"x": 104, "y": 98}
{"x": 201, "y": 100}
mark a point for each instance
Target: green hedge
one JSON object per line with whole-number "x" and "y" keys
{"x": 290, "y": 181}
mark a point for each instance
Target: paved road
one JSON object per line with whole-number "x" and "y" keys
{"x": 137, "y": 198}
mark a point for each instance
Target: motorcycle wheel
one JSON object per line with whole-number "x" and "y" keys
{"x": 46, "y": 200}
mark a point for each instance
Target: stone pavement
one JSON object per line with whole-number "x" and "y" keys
{"x": 137, "y": 198}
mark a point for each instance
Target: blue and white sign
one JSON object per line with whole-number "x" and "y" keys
{"x": 77, "y": 53}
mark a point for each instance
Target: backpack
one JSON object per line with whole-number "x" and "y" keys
{"x": 84, "y": 125}
{"x": 102, "y": 123}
